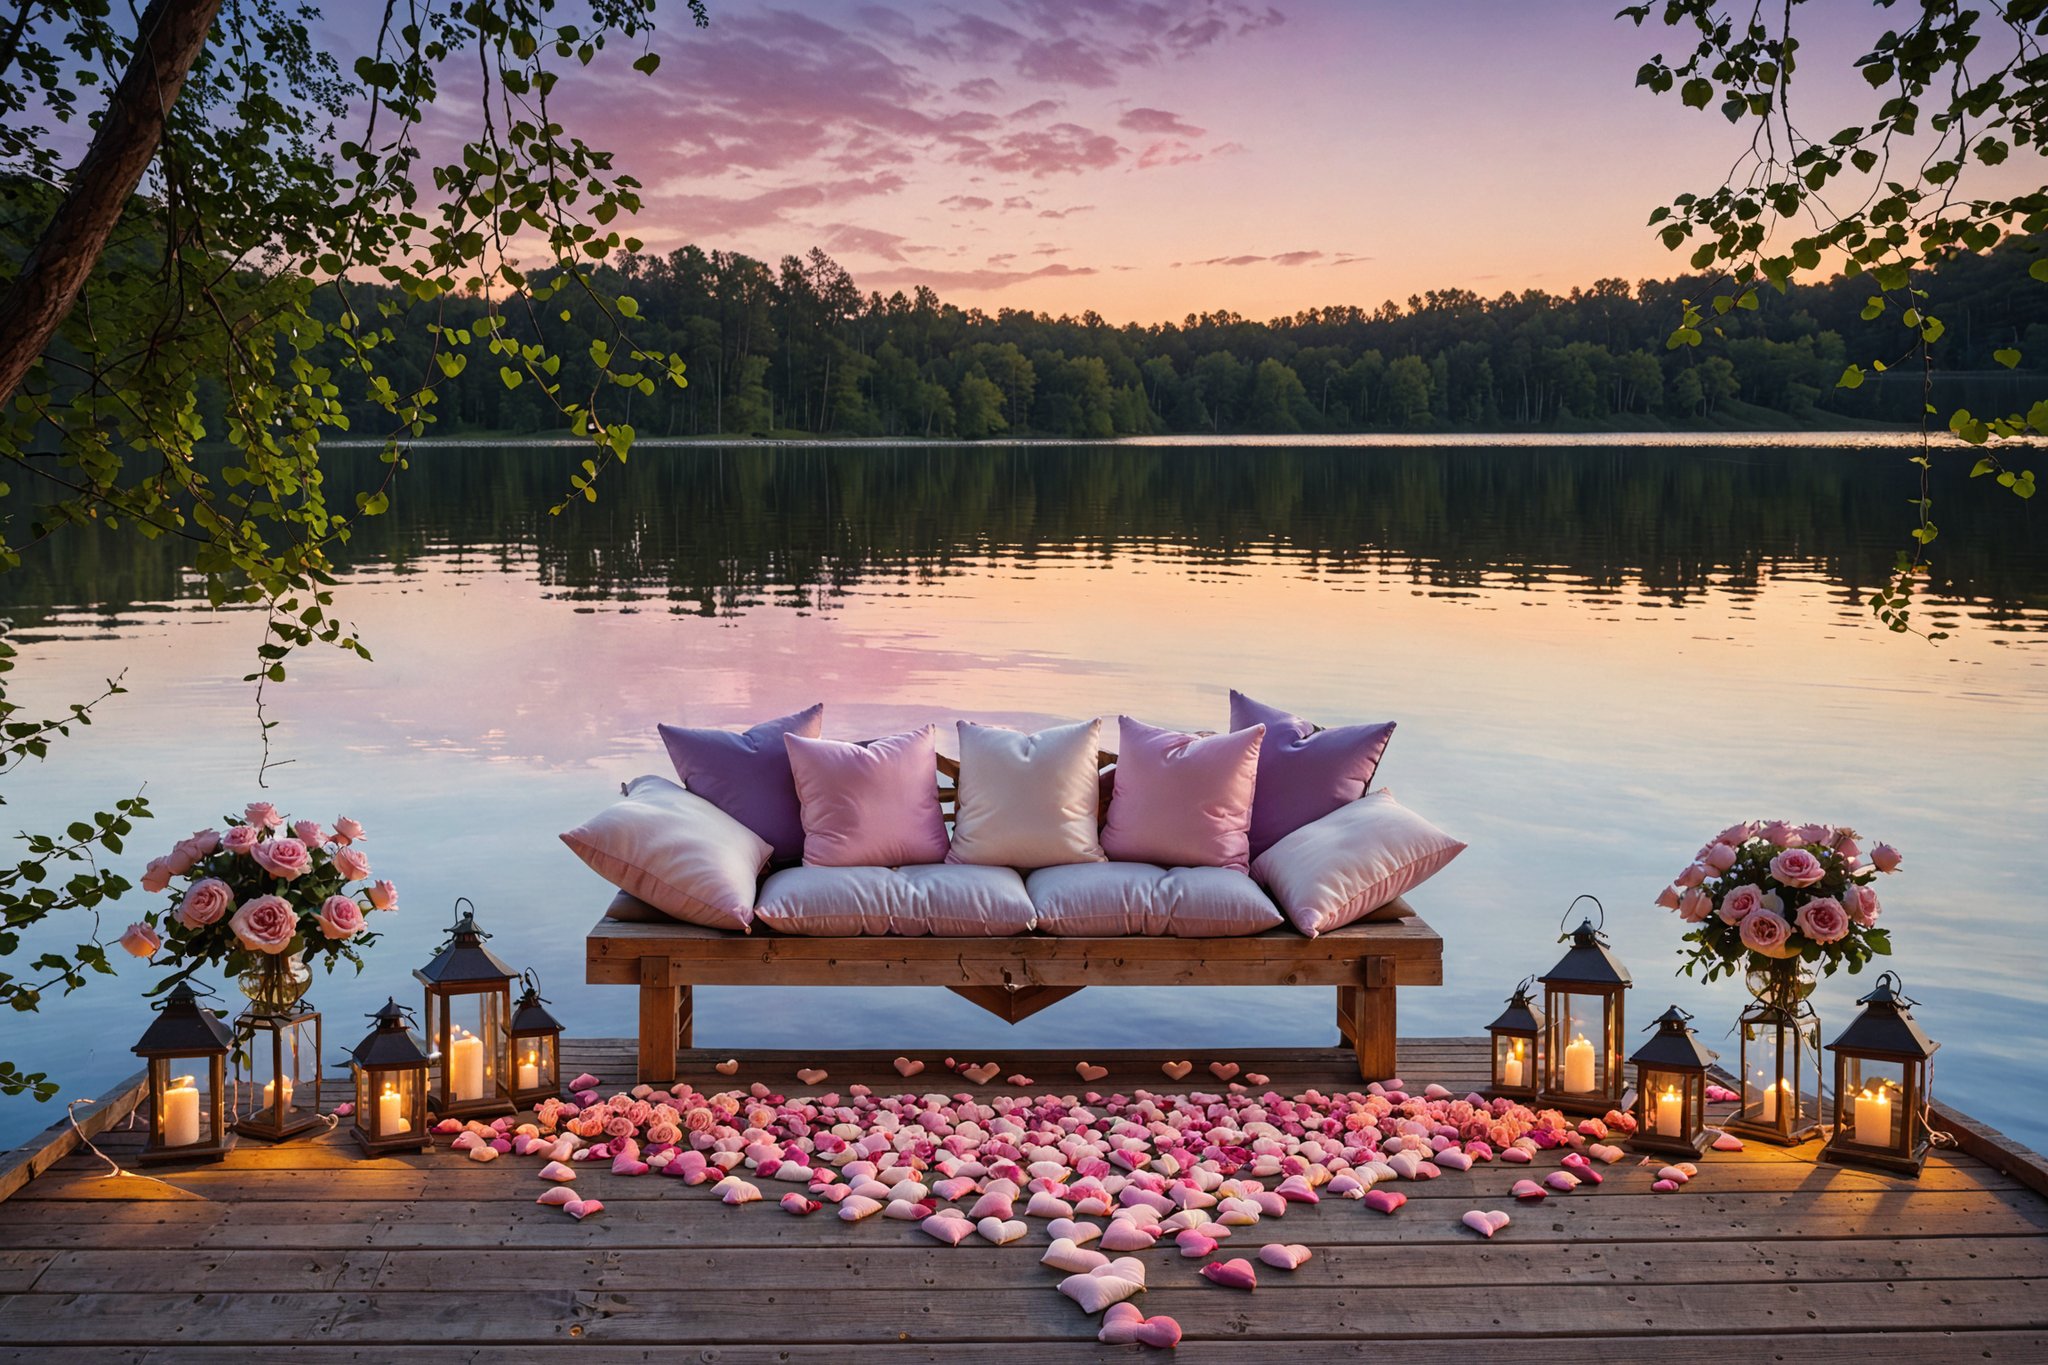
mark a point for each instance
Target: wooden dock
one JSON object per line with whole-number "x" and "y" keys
{"x": 306, "y": 1252}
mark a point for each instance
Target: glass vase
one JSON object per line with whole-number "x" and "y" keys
{"x": 276, "y": 983}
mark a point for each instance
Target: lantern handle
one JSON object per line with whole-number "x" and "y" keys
{"x": 531, "y": 979}
{"x": 1889, "y": 980}
{"x": 1564, "y": 933}
{"x": 1523, "y": 988}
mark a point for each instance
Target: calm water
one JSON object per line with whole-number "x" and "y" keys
{"x": 1598, "y": 655}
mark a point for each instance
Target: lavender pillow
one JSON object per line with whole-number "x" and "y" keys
{"x": 1305, "y": 773}
{"x": 746, "y": 775}
{"x": 1182, "y": 800}
{"x": 869, "y": 805}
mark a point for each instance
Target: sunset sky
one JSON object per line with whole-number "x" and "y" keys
{"x": 1150, "y": 159}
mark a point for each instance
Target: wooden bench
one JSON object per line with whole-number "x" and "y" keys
{"x": 1013, "y": 977}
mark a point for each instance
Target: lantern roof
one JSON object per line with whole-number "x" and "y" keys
{"x": 392, "y": 1042}
{"x": 1521, "y": 1015}
{"x": 183, "y": 1027}
{"x": 1588, "y": 962}
{"x": 1886, "y": 1028}
{"x": 463, "y": 959}
{"x": 1674, "y": 1046}
{"x": 531, "y": 1014}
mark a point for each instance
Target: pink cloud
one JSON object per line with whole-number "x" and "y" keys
{"x": 1159, "y": 121}
{"x": 980, "y": 88}
{"x": 1062, "y": 148}
{"x": 864, "y": 241}
{"x": 1037, "y": 109}
{"x": 1016, "y": 201}
{"x": 1066, "y": 61}
{"x": 993, "y": 278}
{"x": 1167, "y": 152}
{"x": 1062, "y": 213}
{"x": 968, "y": 203}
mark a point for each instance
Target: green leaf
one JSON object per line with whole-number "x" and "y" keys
{"x": 1697, "y": 92}
{"x": 2007, "y": 357}
{"x": 647, "y": 63}
{"x": 1852, "y": 378}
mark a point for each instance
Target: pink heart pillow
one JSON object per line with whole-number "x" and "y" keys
{"x": 1182, "y": 800}
{"x": 869, "y": 805}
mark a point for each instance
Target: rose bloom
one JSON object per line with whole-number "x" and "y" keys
{"x": 1695, "y": 905}
{"x": 1779, "y": 833}
{"x": 341, "y": 917}
{"x": 241, "y": 838}
{"x": 1693, "y": 875}
{"x": 263, "y": 815}
{"x": 618, "y": 1126}
{"x": 205, "y": 903}
{"x": 698, "y": 1120}
{"x": 157, "y": 875}
{"x": 1861, "y": 903}
{"x": 760, "y": 1117}
{"x": 1823, "y": 920}
{"x": 1668, "y": 898}
{"x": 1816, "y": 836}
{"x": 1720, "y": 857}
{"x": 351, "y": 864}
{"x": 384, "y": 896}
{"x": 1736, "y": 834}
{"x": 1766, "y": 932}
{"x": 309, "y": 833}
{"x": 142, "y": 940}
{"x": 1797, "y": 867}
{"x": 265, "y": 925}
{"x": 181, "y": 859}
{"x": 664, "y": 1135}
{"x": 1739, "y": 904}
{"x": 346, "y": 831}
{"x": 1885, "y": 858}
{"x": 204, "y": 843}
{"x": 286, "y": 859}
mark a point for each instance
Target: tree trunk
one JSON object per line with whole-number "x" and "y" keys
{"x": 169, "y": 39}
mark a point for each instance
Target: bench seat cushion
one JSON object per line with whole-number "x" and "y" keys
{"x": 943, "y": 899}
{"x": 1109, "y": 900}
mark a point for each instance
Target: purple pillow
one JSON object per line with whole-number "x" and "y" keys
{"x": 747, "y": 775}
{"x": 869, "y": 805}
{"x": 1305, "y": 773}
{"x": 1182, "y": 800}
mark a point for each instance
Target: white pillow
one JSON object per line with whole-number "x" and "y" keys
{"x": 1352, "y": 862}
{"x": 676, "y": 851}
{"x": 1027, "y": 800}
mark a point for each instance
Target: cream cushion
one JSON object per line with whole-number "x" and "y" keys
{"x": 677, "y": 852}
{"x": 1027, "y": 800}
{"x": 1353, "y": 863}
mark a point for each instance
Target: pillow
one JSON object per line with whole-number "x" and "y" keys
{"x": 932, "y": 898}
{"x": 1305, "y": 773}
{"x": 677, "y": 852}
{"x": 1027, "y": 800}
{"x": 1109, "y": 900}
{"x": 1352, "y": 862}
{"x": 869, "y": 805}
{"x": 747, "y": 775}
{"x": 1182, "y": 800}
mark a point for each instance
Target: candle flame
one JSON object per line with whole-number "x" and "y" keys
{"x": 1670, "y": 1093}
{"x": 178, "y": 1082}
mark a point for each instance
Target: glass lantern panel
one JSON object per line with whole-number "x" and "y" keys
{"x": 1667, "y": 1104}
{"x": 396, "y": 1102}
{"x": 535, "y": 1063}
{"x": 184, "y": 1083}
{"x": 284, "y": 1068}
{"x": 1581, "y": 1055}
{"x": 475, "y": 1037}
{"x": 1873, "y": 1101}
{"x": 1776, "y": 1055}
{"x": 1513, "y": 1064}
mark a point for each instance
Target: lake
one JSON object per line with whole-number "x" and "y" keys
{"x": 1599, "y": 653}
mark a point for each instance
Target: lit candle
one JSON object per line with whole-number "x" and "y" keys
{"x": 466, "y": 1067}
{"x": 1578, "y": 1066}
{"x": 1511, "y": 1069}
{"x": 1874, "y": 1118}
{"x": 181, "y": 1113}
{"x": 391, "y": 1113}
{"x": 1769, "y": 1109}
{"x": 1670, "y": 1114}
{"x": 529, "y": 1072}
{"x": 270, "y": 1093}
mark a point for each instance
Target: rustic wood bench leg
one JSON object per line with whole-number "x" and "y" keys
{"x": 663, "y": 1006}
{"x": 1368, "y": 1009}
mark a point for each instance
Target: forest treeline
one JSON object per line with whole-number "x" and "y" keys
{"x": 798, "y": 348}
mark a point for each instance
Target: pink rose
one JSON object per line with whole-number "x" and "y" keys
{"x": 142, "y": 940}
{"x": 698, "y": 1120}
{"x": 1823, "y": 919}
{"x": 180, "y": 860}
{"x": 1668, "y": 898}
{"x": 384, "y": 896}
{"x": 157, "y": 875}
{"x": 1737, "y": 835}
{"x": 263, "y": 815}
{"x": 1739, "y": 904}
{"x": 664, "y": 1135}
{"x": 204, "y": 843}
{"x": 1720, "y": 857}
{"x": 1766, "y": 932}
{"x": 286, "y": 859}
{"x": 1695, "y": 905}
{"x": 347, "y": 831}
{"x": 1797, "y": 867}
{"x": 1846, "y": 848}
{"x": 265, "y": 925}
{"x": 1885, "y": 858}
{"x": 340, "y": 917}
{"x": 205, "y": 903}
{"x": 618, "y": 1126}
{"x": 1816, "y": 836}
{"x": 1779, "y": 833}
{"x": 241, "y": 838}
{"x": 351, "y": 863}
{"x": 1693, "y": 875}
{"x": 309, "y": 833}
{"x": 1861, "y": 903}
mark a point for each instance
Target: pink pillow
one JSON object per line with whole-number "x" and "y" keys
{"x": 1353, "y": 862}
{"x": 1182, "y": 801}
{"x": 869, "y": 805}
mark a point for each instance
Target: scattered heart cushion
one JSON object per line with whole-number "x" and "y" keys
{"x": 943, "y": 899}
{"x": 1305, "y": 773}
{"x": 869, "y": 805}
{"x": 1182, "y": 800}
{"x": 1027, "y": 800}
{"x": 675, "y": 851}
{"x": 1353, "y": 862}
{"x": 746, "y": 775}
{"x": 1108, "y": 900}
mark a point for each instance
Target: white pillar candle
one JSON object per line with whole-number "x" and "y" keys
{"x": 1511, "y": 1069}
{"x": 391, "y": 1113}
{"x": 1578, "y": 1066}
{"x": 529, "y": 1073}
{"x": 1874, "y": 1118}
{"x": 1670, "y": 1115}
{"x": 466, "y": 1067}
{"x": 1769, "y": 1110}
{"x": 270, "y": 1093}
{"x": 181, "y": 1113}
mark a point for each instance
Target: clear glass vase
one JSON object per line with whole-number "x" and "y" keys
{"x": 1785, "y": 984}
{"x": 276, "y": 983}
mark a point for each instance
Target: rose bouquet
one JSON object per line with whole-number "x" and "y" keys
{"x": 1764, "y": 896}
{"x": 261, "y": 892}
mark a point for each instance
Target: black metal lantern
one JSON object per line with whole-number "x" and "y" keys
{"x": 1883, "y": 1069}
{"x": 1517, "y": 1047}
{"x": 186, "y": 1047}
{"x": 390, "y": 1070}
{"x": 277, "y": 1071}
{"x": 1583, "y": 1024}
{"x": 469, "y": 1009}
{"x": 1779, "y": 1057}
{"x": 536, "y": 1048}
{"x": 1671, "y": 1088}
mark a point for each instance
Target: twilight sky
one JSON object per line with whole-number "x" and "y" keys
{"x": 1149, "y": 160}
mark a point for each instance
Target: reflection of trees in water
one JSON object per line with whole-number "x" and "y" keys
{"x": 726, "y": 530}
